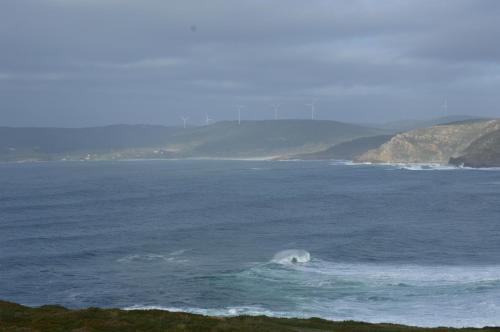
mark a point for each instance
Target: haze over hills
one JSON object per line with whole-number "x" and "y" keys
{"x": 472, "y": 142}
{"x": 266, "y": 137}
{"x": 250, "y": 139}
{"x": 410, "y": 124}
{"x": 55, "y": 143}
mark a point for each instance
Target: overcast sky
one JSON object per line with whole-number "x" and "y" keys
{"x": 96, "y": 62}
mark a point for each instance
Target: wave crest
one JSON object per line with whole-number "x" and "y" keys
{"x": 291, "y": 256}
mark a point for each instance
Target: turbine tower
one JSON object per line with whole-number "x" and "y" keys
{"x": 239, "y": 107}
{"x": 312, "y": 104}
{"x": 207, "y": 119}
{"x": 184, "y": 120}
{"x": 445, "y": 106}
{"x": 276, "y": 109}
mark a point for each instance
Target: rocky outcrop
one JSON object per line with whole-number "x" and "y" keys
{"x": 483, "y": 152}
{"x": 436, "y": 144}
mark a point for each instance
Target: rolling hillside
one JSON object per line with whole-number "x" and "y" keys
{"x": 266, "y": 138}
{"x": 221, "y": 140}
{"x": 55, "y": 143}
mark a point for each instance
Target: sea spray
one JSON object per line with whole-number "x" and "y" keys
{"x": 291, "y": 256}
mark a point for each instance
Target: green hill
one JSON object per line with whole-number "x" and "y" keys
{"x": 55, "y": 143}
{"x": 249, "y": 139}
{"x": 265, "y": 138}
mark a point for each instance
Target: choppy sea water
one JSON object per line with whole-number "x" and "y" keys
{"x": 417, "y": 244}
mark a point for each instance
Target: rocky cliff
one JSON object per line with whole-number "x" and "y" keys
{"x": 483, "y": 152}
{"x": 436, "y": 144}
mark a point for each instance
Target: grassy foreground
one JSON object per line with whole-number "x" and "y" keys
{"x": 15, "y": 317}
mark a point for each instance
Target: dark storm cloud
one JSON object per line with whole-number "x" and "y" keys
{"x": 86, "y": 62}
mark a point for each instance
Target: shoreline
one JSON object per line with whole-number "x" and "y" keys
{"x": 402, "y": 165}
{"x": 272, "y": 158}
{"x": 53, "y": 318}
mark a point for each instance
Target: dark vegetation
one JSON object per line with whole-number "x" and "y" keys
{"x": 55, "y": 143}
{"x": 57, "y": 140}
{"x": 14, "y": 317}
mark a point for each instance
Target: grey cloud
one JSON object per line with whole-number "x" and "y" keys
{"x": 84, "y": 62}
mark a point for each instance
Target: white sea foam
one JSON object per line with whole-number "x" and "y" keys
{"x": 218, "y": 312}
{"x": 430, "y": 296}
{"x": 428, "y": 167}
{"x": 491, "y": 169}
{"x": 445, "y": 295}
{"x": 291, "y": 256}
{"x": 349, "y": 163}
{"x": 475, "y": 314}
{"x": 433, "y": 167}
{"x": 319, "y": 273}
{"x": 412, "y": 166}
{"x": 152, "y": 257}
{"x": 404, "y": 274}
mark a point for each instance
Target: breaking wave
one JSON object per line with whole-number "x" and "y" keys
{"x": 349, "y": 163}
{"x": 446, "y": 296}
{"x": 433, "y": 167}
{"x": 219, "y": 312}
{"x": 411, "y": 166}
{"x": 291, "y": 256}
{"x": 427, "y": 167}
{"x": 294, "y": 285}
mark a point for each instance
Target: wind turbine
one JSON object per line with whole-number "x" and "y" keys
{"x": 445, "y": 106}
{"x": 239, "y": 107}
{"x": 276, "y": 108}
{"x": 184, "y": 120}
{"x": 312, "y": 104}
{"x": 207, "y": 119}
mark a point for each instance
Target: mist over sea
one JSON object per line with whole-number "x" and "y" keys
{"x": 417, "y": 245}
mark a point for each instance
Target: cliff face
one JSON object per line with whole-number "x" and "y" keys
{"x": 483, "y": 152}
{"x": 436, "y": 144}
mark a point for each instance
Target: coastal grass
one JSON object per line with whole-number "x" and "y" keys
{"x": 50, "y": 318}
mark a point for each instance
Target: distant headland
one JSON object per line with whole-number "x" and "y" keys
{"x": 470, "y": 142}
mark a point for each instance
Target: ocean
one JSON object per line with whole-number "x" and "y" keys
{"x": 408, "y": 244}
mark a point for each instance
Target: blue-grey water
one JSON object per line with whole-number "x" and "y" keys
{"x": 375, "y": 243}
